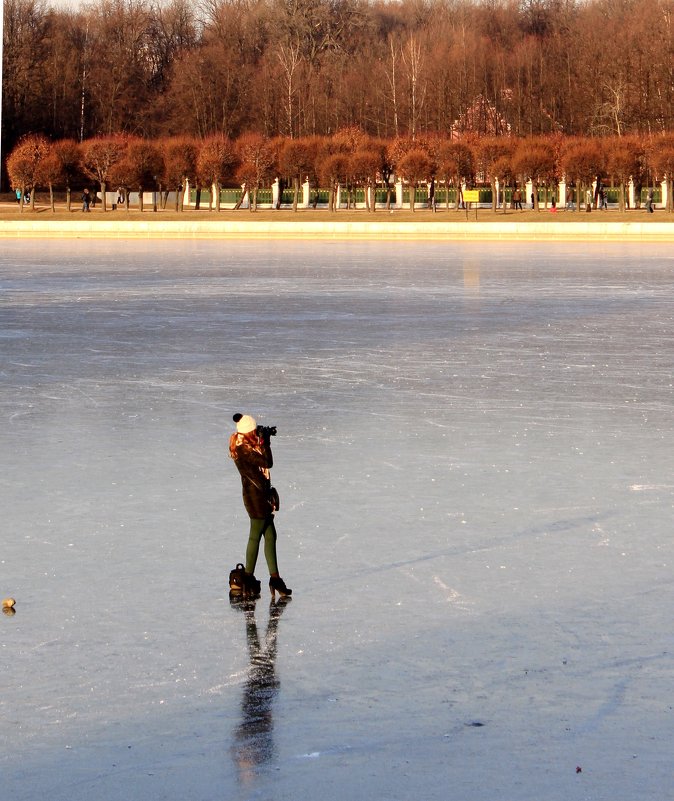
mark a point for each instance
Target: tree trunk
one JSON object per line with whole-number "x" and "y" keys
{"x": 413, "y": 192}
{"x": 51, "y": 198}
{"x": 239, "y": 202}
{"x": 68, "y": 198}
{"x": 103, "y": 189}
{"x": 296, "y": 191}
{"x": 140, "y": 199}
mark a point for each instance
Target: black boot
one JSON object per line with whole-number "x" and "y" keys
{"x": 277, "y": 584}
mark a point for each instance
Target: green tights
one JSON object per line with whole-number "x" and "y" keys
{"x": 257, "y": 529}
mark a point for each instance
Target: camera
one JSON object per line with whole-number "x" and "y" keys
{"x": 266, "y": 431}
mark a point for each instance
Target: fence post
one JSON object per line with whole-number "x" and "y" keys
{"x": 399, "y": 194}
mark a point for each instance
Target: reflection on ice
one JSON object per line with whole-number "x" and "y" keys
{"x": 253, "y": 742}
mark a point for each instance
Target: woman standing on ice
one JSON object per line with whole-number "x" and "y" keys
{"x": 251, "y": 450}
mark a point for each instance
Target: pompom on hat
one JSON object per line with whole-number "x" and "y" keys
{"x": 244, "y": 423}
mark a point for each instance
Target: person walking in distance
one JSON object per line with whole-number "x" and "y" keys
{"x": 250, "y": 449}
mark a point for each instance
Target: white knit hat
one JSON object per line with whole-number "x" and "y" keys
{"x": 246, "y": 424}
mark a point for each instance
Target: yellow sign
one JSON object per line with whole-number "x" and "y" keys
{"x": 471, "y": 196}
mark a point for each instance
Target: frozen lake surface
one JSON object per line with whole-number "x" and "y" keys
{"x": 475, "y": 466}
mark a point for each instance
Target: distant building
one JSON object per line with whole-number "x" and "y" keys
{"x": 482, "y": 118}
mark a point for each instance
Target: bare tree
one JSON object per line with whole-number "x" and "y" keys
{"x": 582, "y": 160}
{"x": 216, "y": 162}
{"x": 455, "y": 165}
{"x": 534, "y": 158}
{"x": 392, "y": 79}
{"x": 256, "y": 165}
{"x": 295, "y": 160}
{"x": 624, "y": 159}
{"x": 99, "y": 156}
{"x": 25, "y": 38}
{"x": 69, "y": 155}
{"x": 363, "y": 168}
{"x": 290, "y": 58}
{"x": 413, "y": 60}
{"x": 333, "y": 169}
{"x": 146, "y": 167}
{"x": 119, "y": 73}
{"x": 25, "y": 165}
{"x": 50, "y": 174}
{"x": 490, "y": 152}
{"x": 180, "y": 165}
{"x": 414, "y": 167}
{"x": 661, "y": 159}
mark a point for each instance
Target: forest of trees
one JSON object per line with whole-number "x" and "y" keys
{"x": 297, "y": 68}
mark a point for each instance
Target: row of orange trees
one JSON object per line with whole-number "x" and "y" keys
{"x": 349, "y": 159}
